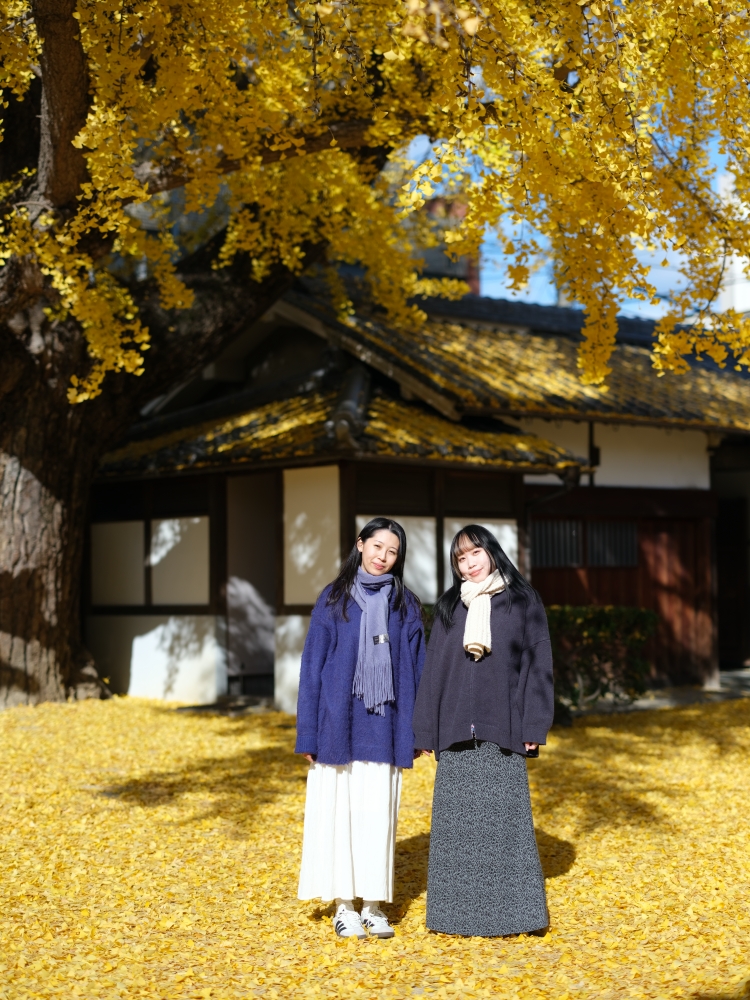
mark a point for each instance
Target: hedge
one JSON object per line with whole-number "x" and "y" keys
{"x": 598, "y": 651}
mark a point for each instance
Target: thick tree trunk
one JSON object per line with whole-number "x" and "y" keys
{"x": 49, "y": 452}
{"x": 45, "y": 472}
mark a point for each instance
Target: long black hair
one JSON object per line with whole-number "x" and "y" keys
{"x": 341, "y": 588}
{"x": 479, "y": 537}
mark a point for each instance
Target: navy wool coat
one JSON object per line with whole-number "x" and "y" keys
{"x": 506, "y": 698}
{"x": 333, "y": 725}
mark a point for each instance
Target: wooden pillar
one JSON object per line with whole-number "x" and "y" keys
{"x": 148, "y": 512}
{"x": 217, "y": 547}
{"x": 439, "y": 506}
{"x": 523, "y": 520}
{"x": 347, "y": 504}
{"x": 279, "y": 541}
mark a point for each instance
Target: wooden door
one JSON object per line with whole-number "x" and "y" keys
{"x": 673, "y": 577}
{"x": 731, "y": 568}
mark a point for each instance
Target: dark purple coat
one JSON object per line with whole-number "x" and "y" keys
{"x": 333, "y": 725}
{"x": 508, "y": 696}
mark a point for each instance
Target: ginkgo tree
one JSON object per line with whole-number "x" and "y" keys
{"x": 584, "y": 128}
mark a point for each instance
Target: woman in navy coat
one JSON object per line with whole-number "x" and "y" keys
{"x": 360, "y": 672}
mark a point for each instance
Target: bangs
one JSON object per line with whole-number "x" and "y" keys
{"x": 467, "y": 539}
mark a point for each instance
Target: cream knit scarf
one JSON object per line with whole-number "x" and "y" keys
{"x": 476, "y": 597}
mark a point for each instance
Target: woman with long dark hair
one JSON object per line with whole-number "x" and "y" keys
{"x": 361, "y": 666}
{"x": 485, "y": 703}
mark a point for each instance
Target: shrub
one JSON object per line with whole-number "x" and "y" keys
{"x": 597, "y": 651}
{"x": 428, "y": 617}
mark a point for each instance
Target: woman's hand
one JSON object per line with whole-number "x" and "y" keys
{"x": 421, "y": 753}
{"x": 531, "y": 746}
{"x": 308, "y": 757}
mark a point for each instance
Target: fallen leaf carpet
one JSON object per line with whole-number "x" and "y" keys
{"x": 153, "y": 853}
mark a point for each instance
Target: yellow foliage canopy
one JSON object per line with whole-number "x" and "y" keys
{"x": 591, "y": 123}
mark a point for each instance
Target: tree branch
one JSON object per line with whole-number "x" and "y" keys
{"x": 65, "y": 101}
{"x": 349, "y": 135}
{"x": 175, "y": 173}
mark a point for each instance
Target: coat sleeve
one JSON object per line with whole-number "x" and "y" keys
{"x": 536, "y": 684}
{"x": 425, "y": 737}
{"x": 318, "y": 643}
{"x": 417, "y": 644}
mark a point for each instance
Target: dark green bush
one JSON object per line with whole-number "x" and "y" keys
{"x": 597, "y": 651}
{"x": 428, "y": 616}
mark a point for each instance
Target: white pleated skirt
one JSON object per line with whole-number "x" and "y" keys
{"x": 349, "y": 841}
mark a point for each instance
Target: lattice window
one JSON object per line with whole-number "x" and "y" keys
{"x": 556, "y": 543}
{"x": 612, "y": 543}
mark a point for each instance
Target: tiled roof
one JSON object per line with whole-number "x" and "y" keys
{"x": 295, "y": 429}
{"x": 534, "y": 318}
{"x": 401, "y": 430}
{"x": 284, "y": 429}
{"x": 481, "y": 368}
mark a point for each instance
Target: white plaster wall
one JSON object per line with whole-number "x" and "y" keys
{"x": 570, "y": 434}
{"x": 291, "y": 631}
{"x": 174, "y": 658}
{"x": 646, "y": 457}
{"x": 117, "y": 556}
{"x": 652, "y": 457}
{"x": 180, "y": 561}
{"x": 250, "y": 630}
{"x": 735, "y": 289}
{"x": 312, "y": 545}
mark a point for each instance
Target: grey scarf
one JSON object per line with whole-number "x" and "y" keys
{"x": 373, "y": 677}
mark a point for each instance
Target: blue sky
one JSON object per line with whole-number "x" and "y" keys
{"x": 541, "y": 288}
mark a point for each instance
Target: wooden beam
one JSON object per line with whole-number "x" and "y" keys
{"x": 347, "y": 342}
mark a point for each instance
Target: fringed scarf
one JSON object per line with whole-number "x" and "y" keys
{"x": 373, "y": 677}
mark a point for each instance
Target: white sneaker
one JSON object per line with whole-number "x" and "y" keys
{"x": 376, "y": 922}
{"x": 347, "y": 922}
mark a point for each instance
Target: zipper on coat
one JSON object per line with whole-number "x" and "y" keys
{"x": 471, "y": 700}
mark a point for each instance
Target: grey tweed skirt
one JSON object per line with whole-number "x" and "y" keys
{"x": 485, "y": 878}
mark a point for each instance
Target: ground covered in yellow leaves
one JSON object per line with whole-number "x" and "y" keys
{"x": 153, "y": 853}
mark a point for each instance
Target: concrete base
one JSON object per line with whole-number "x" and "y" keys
{"x": 733, "y": 684}
{"x": 176, "y": 657}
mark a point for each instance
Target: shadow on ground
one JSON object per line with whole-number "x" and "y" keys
{"x": 409, "y": 878}
{"x": 234, "y": 787}
{"x": 608, "y": 796}
{"x": 557, "y": 856}
{"x": 743, "y": 991}
{"x": 412, "y": 855}
{"x": 409, "y": 872}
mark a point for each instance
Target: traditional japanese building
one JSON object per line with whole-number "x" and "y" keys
{"x": 216, "y": 524}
